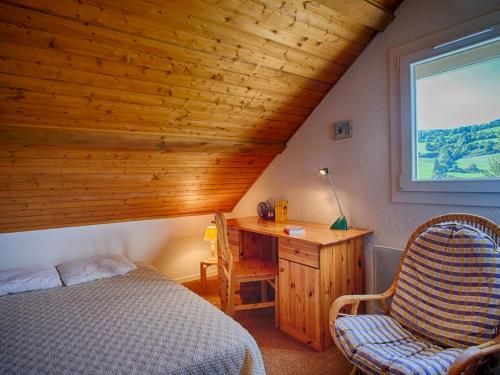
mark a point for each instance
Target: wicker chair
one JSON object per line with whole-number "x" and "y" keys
{"x": 447, "y": 353}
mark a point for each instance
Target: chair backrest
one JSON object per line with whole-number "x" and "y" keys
{"x": 448, "y": 286}
{"x": 223, "y": 241}
{"x": 225, "y": 260}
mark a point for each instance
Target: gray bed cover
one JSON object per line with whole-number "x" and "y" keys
{"x": 139, "y": 323}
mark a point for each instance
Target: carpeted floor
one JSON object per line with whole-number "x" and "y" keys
{"x": 282, "y": 353}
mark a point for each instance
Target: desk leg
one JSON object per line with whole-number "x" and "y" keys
{"x": 263, "y": 291}
{"x": 277, "y": 302}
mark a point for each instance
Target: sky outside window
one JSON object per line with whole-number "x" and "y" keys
{"x": 465, "y": 96}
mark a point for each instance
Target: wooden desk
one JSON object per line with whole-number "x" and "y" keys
{"x": 315, "y": 269}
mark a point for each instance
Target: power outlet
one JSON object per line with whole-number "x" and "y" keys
{"x": 342, "y": 129}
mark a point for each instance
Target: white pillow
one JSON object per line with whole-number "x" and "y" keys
{"x": 94, "y": 268}
{"x": 25, "y": 279}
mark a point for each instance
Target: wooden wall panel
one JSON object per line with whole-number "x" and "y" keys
{"x": 43, "y": 185}
{"x": 113, "y": 110}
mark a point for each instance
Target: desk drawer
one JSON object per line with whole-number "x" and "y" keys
{"x": 299, "y": 252}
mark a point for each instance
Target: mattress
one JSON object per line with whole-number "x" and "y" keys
{"x": 139, "y": 323}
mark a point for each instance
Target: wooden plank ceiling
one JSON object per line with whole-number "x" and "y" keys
{"x": 119, "y": 110}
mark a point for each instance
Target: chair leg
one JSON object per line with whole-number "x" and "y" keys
{"x": 223, "y": 294}
{"x": 230, "y": 302}
{"x": 354, "y": 371}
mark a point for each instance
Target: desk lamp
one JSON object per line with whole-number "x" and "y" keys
{"x": 341, "y": 222}
{"x": 211, "y": 236}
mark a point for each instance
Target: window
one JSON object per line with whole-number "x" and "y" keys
{"x": 448, "y": 116}
{"x": 456, "y": 105}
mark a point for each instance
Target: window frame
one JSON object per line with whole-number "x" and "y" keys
{"x": 404, "y": 188}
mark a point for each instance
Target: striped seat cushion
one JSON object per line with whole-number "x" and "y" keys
{"x": 449, "y": 286}
{"x": 378, "y": 344}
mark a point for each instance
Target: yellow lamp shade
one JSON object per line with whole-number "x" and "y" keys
{"x": 210, "y": 233}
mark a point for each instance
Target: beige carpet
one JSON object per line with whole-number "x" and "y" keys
{"x": 282, "y": 353}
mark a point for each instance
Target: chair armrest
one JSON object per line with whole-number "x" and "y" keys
{"x": 354, "y": 300}
{"x": 472, "y": 354}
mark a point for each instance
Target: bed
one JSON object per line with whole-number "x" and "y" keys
{"x": 138, "y": 323}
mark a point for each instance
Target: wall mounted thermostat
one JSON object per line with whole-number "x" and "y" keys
{"x": 342, "y": 129}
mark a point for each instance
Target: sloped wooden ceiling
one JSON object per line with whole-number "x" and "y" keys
{"x": 117, "y": 110}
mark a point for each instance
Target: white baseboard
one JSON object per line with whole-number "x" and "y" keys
{"x": 185, "y": 279}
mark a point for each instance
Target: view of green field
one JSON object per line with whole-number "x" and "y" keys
{"x": 466, "y": 152}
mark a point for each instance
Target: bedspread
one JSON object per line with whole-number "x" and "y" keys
{"x": 139, "y": 323}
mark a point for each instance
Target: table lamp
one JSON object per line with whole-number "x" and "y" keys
{"x": 211, "y": 236}
{"x": 341, "y": 222}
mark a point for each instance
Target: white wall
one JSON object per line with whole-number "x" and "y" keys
{"x": 360, "y": 165}
{"x": 175, "y": 246}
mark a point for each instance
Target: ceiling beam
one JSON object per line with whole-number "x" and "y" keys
{"x": 90, "y": 139}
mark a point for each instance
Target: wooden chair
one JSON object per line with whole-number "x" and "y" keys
{"x": 462, "y": 358}
{"x": 246, "y": 270}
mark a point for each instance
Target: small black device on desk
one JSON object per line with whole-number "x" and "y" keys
{"x": 265, "y": 210}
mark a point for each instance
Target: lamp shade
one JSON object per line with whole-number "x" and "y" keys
{"x": 323, "y": 171}
{"x": 210, "y": 233}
